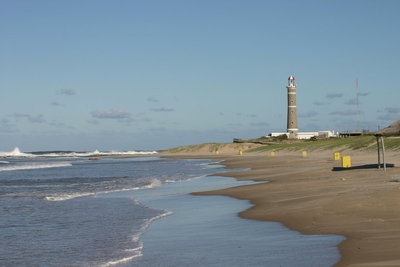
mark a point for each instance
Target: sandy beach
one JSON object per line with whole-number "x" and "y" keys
{"x": 313, "y": 196}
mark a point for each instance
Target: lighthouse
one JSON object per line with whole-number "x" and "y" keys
{"x": 292, "y": 127}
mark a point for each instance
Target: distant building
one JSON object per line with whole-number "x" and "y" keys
{"x": 307, "y": 135}
{"x": 350, "y": 134}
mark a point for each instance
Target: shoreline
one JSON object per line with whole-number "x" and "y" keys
{"x": 207, "y": 231}
{"x": 307, "y": 195}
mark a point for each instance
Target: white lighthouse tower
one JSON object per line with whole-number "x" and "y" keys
{"x": 292, "y": 127}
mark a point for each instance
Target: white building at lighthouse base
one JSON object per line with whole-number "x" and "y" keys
{"x": 307, "y": 135}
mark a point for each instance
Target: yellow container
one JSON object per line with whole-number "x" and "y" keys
{"x": 336, "y": 155}
{"x": 304, "y": 154}
{"x": 217, "y": 152}
{"x": 346, "y": 161}
{"x": 272, "y": 153}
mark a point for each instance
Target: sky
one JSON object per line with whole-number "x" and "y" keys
{"x": 154, "y": 74}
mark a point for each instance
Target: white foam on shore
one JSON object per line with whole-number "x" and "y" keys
{"x": 34, "y": 165}
{"x": 137, "y": 252}
{"x": 124, "y": 260}
{"x": 96, "y": 153}
{"x": 155, "y": 183}
{"x": 146, "y": 225}
{"x": 16, "y": 152}
{"x": 64, "y": 197}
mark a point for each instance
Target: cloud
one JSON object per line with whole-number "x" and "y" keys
{"x": 362, "y": 94}
{"x": 392, "y": 110}
{"x": 352, "y": 102}
{"x": 246, "y": 115}
{"x": 162, "y": 109}
{"x": 112, "y": 114}
{"x": 31, "y": 118}
{"x": 318, "y": 103}
{"x": 260, "y": 124}
{"x": 235, "y": 124}
{"x": 355, "y": 100}
{"x": 345, "y": 112}
{"x": 67, "y": 91}
{"x": 389, "y": 114}
{"x": 388, "y": 117}
{"x": 60, "y": 125}
{"x": 56, "y": 104}
{"x": 7, "y": 127}
{"x": 152, "y": 99}
{"x": 309, "y": 114}
{"x": 157, "y": 129}
{"x": 93, "y": 122}
{"x": 334, "y": 95}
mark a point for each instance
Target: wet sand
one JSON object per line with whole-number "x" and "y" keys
{"x": 206, "y": 231}
{"x": 310, "y": 195}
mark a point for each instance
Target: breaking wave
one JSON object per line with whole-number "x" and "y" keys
{"x": 155, "y": 183}
{"x": 16, "y": 152}
{"x": 137, "y": 252}
{"x": 33, "y": 165}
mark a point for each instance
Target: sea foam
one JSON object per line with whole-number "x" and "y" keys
{"x": 155, "y": 183}
{"x": 16, "y": 152}
{"x": 64, "y": 197}
{"x": 137, "y": 252}
{"x": 124, "y": 260}
{"x": 31, "y": 166}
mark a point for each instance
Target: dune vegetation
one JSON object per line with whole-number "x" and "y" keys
{"x": 359, "y": 143}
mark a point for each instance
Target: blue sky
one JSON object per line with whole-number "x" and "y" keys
{"x": 143, "y": 75}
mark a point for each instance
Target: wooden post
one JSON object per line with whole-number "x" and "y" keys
{"x": 379, "y": 152}
{"x": 381, "y": 146}
{"x": 383, "y": 154}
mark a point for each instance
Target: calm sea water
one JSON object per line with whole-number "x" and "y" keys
{"x": 71, "y": 211}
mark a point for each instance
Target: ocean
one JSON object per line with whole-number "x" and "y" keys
{"x": 80, "y": 209}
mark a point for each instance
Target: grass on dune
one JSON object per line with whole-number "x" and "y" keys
{"x": 361, "y": 143}
{"x": 366, "y": 142}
